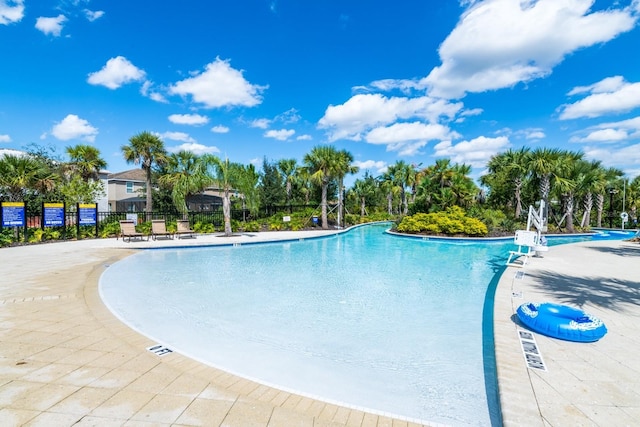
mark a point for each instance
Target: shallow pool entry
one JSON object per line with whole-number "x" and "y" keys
{"x": 383, "y": 323}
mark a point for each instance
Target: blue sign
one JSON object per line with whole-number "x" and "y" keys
{"x": 87, "y": 213}
{"x": 53, "y": 214}
{"x": 13, "y": 214}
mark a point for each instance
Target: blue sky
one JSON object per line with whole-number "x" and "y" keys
{"x": 410, "y": 80}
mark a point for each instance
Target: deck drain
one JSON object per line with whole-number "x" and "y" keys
{"x": 159, "y": 350}
{"x": 530, "y": 351}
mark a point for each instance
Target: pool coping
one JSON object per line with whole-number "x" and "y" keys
{"x": 518, "y": 398}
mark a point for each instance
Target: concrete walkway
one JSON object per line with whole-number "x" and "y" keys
{"x": 594, "y": 384}
{"x": 66, "y": 360}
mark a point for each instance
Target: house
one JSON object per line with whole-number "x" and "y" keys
{"x": 125, "y": 191}
{"x": 126, "y": 194}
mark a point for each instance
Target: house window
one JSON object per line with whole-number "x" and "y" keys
{"x": 129, "y": 187}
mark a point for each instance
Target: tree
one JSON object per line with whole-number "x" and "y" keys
{"x": 225, "y": 175}
{"x": 288, "y": 168}
{"x": 401, "y": 174}
{"x": 364, "y": 189}
{"x": 185, "y": 173}
{"x": 22, "y": 176}
{"x": 320, "y": 165}
{"x": 145, "y": 149}
{"x": 271, "y": 189}
{"x": 508, "y": 169}
{"x": 343, "y": 167}
{"x": 86, "y": 161}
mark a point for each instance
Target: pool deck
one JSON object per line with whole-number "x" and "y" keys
{"x": 66, "y": 360}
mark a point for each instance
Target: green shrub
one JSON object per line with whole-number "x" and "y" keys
{"x": 451, "y": 222}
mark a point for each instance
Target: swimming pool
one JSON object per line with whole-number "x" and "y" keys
{"x": 384, "y": 323}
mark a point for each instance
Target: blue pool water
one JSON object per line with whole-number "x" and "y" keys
{"x": 389, "y": 324}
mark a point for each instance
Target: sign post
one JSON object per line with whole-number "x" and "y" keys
{"x": 87, "y": 214}
{"x": 13, "y": 215}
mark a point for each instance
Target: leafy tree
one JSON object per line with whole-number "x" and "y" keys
{"x": 271, "y": 188}
{"x": 226, "y": 176}
{"x": 186, "y": 175}
{"x": 343, "y": 167}
{"x": 364, "y": 189}
{"x": 86, "y": 161}
{"x": 288, "y": 169}
{"x": 145, "y": 149}
{"x": 22, "y": 176}
{"x": 321, "y": 165}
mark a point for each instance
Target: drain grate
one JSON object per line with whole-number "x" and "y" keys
{"x": 530, "y": 350}
{"x": 159, "y": 350}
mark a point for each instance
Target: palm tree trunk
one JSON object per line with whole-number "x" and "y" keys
{"x": 339, "y": 202}
{"x": 518, "y": 184}
{"x": 226, "y": 212}
{"x": 149, "y": 206}
{"x": 587, "y": 205}
{"x": 569, "y": 211}
{"x": 390, "y": 203}
{"x": 600, "y": 207}
{"x": 325, "y": 223}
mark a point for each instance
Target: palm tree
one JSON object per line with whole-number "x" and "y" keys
{"x": 510, "y": 169}
{"x": 185, "y": 174}
{"x": 400, "y": 174}
{"x": 590, "y": 183}
{"x": 288, "y": 168}
{"x": 608, "y": 182}
{"x": 145, "y": 149}
{"x": 343, "y": 167}
{"x": 320, "y": 165}
{"x": 542, "y": 163}
{"x": 226, "y": 176}
{"x": 21, "y": 175}
{"x": 364, "y": 189}
{"x": 86, "y": 160}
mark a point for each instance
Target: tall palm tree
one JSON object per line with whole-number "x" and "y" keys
{"x": 145, "y": 149}
{"x": 400, "y": 174}
{"x": 542, "y": 163}
{"x": 226, "y": 176}
{"x": 364, "y": 189}
{"x": 288, "y": 168}
{"x": 511, "y": 169}
{"x": 344, "y": 166}
{"x": 608, "y": 182}
{"x": 22, "y": 175}
{"x": 320, "y": 165}
{"x": 86, "y": 160}
{"x": 590, "y": 183}
{"x": 185, "y": 174}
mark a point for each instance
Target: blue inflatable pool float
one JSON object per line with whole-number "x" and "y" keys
{"x": 561, "y": 321}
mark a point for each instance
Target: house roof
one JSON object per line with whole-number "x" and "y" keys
{"x": 130, "y": 175}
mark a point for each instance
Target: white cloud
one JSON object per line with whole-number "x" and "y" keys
{"x": 177, "y": 136}
{"x": 10, "y": 152}
{"x": 219, "y": 86}
{"x": 606, "y": 135}
{"x": 51, "y": 26}
{"x": 408, "y": 138}
{"x": 116, "y": 72}
{"x": 194, "y": 147}
{"x": 5, "y": 138}
{"x": 498, "y": 43}
{"x": 280, "y": 135}
{"x": 188, "y": 119}
{"x": 288, "y": 117}
{"x": 304, "y": 138}
{"x": 611, "y": 132}
{"x": 363, "y": 112}
{"x": 475, "y": 152}
{"x": 73, "y": 127}
{"x": 220, "y": 129}
{"x": 625, "y": 158}
{"x": 260, "y": 123}
{"x": 93, "y": 15}
{"x": 609, "y": 96}
{"x": 11, "y": 11}
{"x": 146, "y": 90}
{"x": 379, "y": 166}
